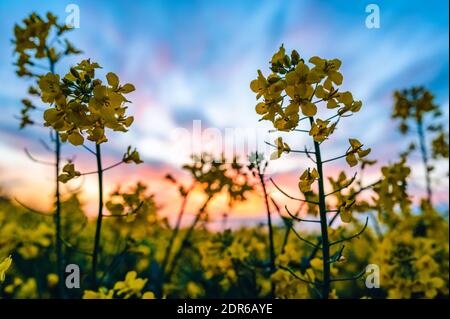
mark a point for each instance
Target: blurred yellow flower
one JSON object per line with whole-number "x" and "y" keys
{"x": 148, "y": 295}
{"x": 131, "y": 286}
{"x": 52, "y": 280}
{"x": 4, "y": 266}
{"x": 102, "y": 293}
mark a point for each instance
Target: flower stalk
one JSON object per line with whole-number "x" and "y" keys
{"x": 98, "y": 228}
{"x": 323, "y": 222}
{"x": 58, "y": 232}
{"x": 292, "y": 77}
{"x": 167, "y": 276}
{"x": 424, "y": 153}
{"x": 269, "y": 224}
{"x": 172, "y": 238}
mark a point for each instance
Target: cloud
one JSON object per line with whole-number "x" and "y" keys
{"x": 194, "y": 61}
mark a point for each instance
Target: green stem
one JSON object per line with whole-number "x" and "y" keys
{"x": 323, "y": 222}
{"x": 186, "y": 238}
{"x": 332, "y": 220}
{"x": 172, "y": 240}
{"x": 423, "y": 150}
{"x": 58, "y": 235}
{"x": 99, "y": 217}
{"x": 269, "y": 225}
{"x": 59, "y": 252}
{"x": 288, "y": 226}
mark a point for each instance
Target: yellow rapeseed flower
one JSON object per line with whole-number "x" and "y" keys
{"x": 4, "y": 266}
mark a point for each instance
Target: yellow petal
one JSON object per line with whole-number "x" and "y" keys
{"x": 127, "y": 88}
{"x": 309, "y": 109}
{"x": 351, "y": 159}
{"x": 331, "y": 104}
{"x": 261, "y": 108}
{"x": 76, "y": 139}
{"x": 112, "y": 79}
{"x": 316, "y": 263}
{"x": 346, "y": 216}
{"x": 354, "y": 143}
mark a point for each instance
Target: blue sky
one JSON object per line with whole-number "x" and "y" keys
{"x": 193, "y": 60}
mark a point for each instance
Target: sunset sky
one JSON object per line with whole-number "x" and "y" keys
{"x": 193, "y": 61}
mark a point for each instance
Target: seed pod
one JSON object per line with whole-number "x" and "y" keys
{"x": 74, "y": 73}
